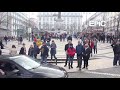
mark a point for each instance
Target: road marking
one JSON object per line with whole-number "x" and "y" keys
{"x": 108, "y": 74}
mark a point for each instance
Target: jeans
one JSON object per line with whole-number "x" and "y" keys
{"x": 53, "y": 55}
{"x": 79, "y": 60}
{"x": 35, "y": 56}
{"x": 43, "y": 59}
{"x": 70, "y": 59}
{"x": 86, "y": 58}
{"x": 66, "y": 60}
{"x": 116, "y": 58}
{"x": 95, "y": 49}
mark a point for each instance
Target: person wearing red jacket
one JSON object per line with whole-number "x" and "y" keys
{"x": 91, "y": 45}
{"x": 71, "y": 53}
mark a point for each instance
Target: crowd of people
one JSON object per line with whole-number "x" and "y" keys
{"x": 87, "y": 44}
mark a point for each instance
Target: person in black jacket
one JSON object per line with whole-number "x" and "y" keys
{"x": 23, "y": 50}
{"x": 31, "y": 51}
{"x": 66, "y": 47}
{"x": 0, "y": 51}
{"x": 1, "y": 44}
{"x": 69, "y": 38}
{"x": 86, "y": 55}
{"x": 116, "y": 50}
{"x": 44, "y": 53}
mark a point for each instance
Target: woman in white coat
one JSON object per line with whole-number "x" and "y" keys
{"x": 13, "y": 50}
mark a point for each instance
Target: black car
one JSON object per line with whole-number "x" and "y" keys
{"x": 21, "y": 66}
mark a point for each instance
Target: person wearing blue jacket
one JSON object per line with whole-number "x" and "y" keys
{"x": 79, "y": 51}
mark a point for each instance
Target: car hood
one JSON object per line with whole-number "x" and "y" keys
{"x": 50, "y": 71}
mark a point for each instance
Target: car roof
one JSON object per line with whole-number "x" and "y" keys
{"x": 6, "y": 56}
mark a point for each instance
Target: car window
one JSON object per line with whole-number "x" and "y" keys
{"x": 25, "y": 62}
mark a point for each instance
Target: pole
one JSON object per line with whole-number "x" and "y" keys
{"x": 7, "y": 23}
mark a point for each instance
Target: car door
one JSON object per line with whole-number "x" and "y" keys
{"x": 19, "y": 72}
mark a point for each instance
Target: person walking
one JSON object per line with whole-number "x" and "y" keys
{"x": 21, "y": 39}
{"x": 13, "y": 50}
{"x": 91, "y": 45}
{"x": 71, "y": 53}
{"x": 69, "y": 38}
{"x": 31, "y": 51}
{"x": 44, "y": 53}
{"x": 95, "y": 45}
{"x": 23, "y": 50}
{"x": 53, "y": 49}
{"x": 36, "y": 50}
{"x": 86, "y": 55}
{"x": 6, "y": 39}
{"x": 116, "y": 50}
{"x": 79, "y": 51}
{"x": 1, "y": 44}
{"x": 66, "y": 47}
{"x": 0, "y": 51}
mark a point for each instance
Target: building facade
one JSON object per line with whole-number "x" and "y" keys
{"x": 71, "y": 21}
{"x": 16, "y": 23}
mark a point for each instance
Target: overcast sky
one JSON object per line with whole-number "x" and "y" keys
{"x": 85, "y": 15}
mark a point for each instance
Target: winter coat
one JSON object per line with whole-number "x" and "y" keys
{"x": 31, "y": 51}
{"x": 116, "y": 49}
{"x": 22, "y": 51}
{"x": 91, "y": 44}
{"x": 67, "y": 46}
{"x": 79, "y": 49}
{"x": 13, "y": 51}
{"x": 86, "y": 52}
{"x": 53, "y": 48}
{"x": 36, "y": 50}
{"x": 69, "y": 38}
{"x": 44, "y": 51}
{"x": 21, "y": 39}
{"x": 71, "y": 52}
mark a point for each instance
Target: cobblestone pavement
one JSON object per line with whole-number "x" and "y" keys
{"x": 113, "y": 72}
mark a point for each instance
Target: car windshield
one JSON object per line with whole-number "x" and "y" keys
{"x": 25, "y": 62}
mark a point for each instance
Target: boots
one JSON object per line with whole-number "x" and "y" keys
{"x": 69, "y": 65}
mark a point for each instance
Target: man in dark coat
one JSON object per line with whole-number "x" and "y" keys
{"x": 44, "y": 53}
{"x": 23, "y": 50}
{"x": 6, "y": 38}
{"x": 31, "y": 51}
{"x": 79, "y": 51}
{"x": 86, "y": 55}
{"x": 1, "y": 44}
{"x": 66, "y": 47}
{"x": 116, "y": 50}
{"x": 69, "y": 38}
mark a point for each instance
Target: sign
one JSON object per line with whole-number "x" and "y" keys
{"x": 97, "y": 23}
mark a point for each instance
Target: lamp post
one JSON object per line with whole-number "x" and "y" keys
{"x": 7, "y": 23}
{"x": 118, "y": 21}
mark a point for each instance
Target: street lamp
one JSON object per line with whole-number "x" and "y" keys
{"x": 29, "y": 32}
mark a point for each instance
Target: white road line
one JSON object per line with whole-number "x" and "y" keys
{"x": 109, "y": 74}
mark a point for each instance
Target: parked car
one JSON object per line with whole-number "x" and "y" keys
{"x": 21, "y": 66}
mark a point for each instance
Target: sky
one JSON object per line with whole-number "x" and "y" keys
{"x": 89, "y": 14}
